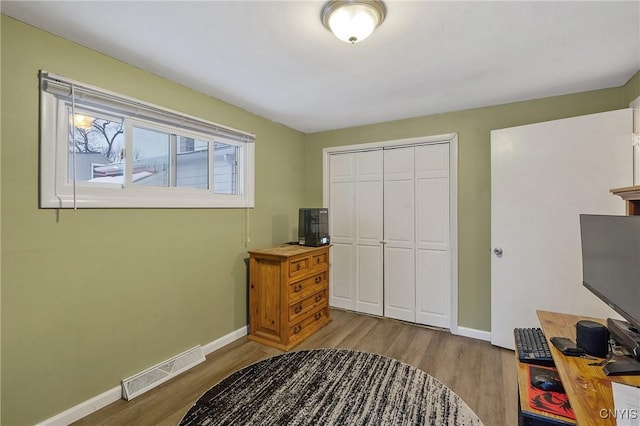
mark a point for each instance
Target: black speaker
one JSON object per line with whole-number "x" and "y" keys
{"x": 593, "y": 337}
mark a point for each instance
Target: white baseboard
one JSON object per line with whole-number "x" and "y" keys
{"x": 84, "y": 408}
{"x": 112, "y": 395}
{"x": 225, "y": 340}
{"x": 475, "y": 334}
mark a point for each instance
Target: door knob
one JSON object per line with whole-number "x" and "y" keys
{"x": 497, "y": 251}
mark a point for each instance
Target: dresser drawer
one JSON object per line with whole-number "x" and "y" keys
{"x": 299, "y": 267}
{"x": 320, "y": 260}
{"x": 308, "y": 325}
{"x": 302, "y": 308}
{"x": 306, "y": 287}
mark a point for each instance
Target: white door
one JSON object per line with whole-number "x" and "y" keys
{"x": 342, "y": 230}
{"x": 399, "y": 232}
{"x": 355, "y": 221}
{"x": 433, "y": 254}
{"x": 416, "y": 226}
{"x": 542, "y": 177}
{"x": 368, "y": 225}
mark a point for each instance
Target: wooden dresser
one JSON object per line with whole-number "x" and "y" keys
{"x": 288, "y": 294}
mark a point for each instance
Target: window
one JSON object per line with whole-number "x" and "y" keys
{"x": 101, "y": 149}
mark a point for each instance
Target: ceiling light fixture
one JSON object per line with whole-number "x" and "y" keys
{"x": 353, "y": 20}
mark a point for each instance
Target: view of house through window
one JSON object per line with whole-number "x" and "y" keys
{"x": 192, "y": 163}
{"x": 158, "y": 158}
{"x": 225, "y": 159}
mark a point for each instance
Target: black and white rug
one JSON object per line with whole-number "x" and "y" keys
{"x": 330, "y": 387}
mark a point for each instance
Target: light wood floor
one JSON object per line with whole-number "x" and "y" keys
{"x": 484, "y": 376}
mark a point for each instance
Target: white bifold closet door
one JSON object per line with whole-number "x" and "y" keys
{"x": 389, "y": 226}
{"x": 416, "y": 229}
{"x": 356, "y": 231}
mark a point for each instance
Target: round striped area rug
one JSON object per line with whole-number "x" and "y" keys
{"x": 330, "y": 387}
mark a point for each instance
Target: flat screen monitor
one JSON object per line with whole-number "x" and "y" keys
{"x": 611, "y": 262}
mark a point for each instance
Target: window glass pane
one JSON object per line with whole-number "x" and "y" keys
{"x": 151, "y": 157}
{"x": 99, "y": 146}
{"x": 225, "y": 168}
{"x": 192, "y": 163}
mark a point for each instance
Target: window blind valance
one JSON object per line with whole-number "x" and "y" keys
{"x": 91, "y": 97}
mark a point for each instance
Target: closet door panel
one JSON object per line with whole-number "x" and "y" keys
{"x": 342, "y": 212}
{"x": 399, "y": 163}
{"x": 342, "y": 167}
{"x": 432, "y": 160}
{"x": 342, "y": 231}
{"x": 432, "y": 214}
{"x": 433, "y": 266}
{"x": 369, "y": 297}
{"x": 399, "y": 226}
{"x": 399, "y": 229}
{"x": 368, "y": 239}
{"x": 432, "y": 196}
{"x": 342, "y": 273}
{"x": 399, "y": 284}
{"x": 433, "y": 288}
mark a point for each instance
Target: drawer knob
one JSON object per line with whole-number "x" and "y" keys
{"x": 318, "y": 297}
{"x": 297, "y": 288}
{"x": 298, "y": 267}
{"x": 318, "y": 316}
{"x": 298, "y": 309}
{"x": 297, "y": 329}
{"x": 318, "y": 279}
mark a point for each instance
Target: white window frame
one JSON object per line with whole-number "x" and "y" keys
{"x": 57, "y": 192}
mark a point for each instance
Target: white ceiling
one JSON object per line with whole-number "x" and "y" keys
{"x": 275, "y": 59}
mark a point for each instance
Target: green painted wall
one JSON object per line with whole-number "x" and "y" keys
{"x": 632, "y": 89}
{"x": 90, "y": 297}
{"x": 474, "y": 174}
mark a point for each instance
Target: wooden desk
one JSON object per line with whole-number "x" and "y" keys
{"x": 588, "y": 388}
{"x": 534, "y": 416}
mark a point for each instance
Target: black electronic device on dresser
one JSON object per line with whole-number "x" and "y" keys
{"x": 313, "y": 227}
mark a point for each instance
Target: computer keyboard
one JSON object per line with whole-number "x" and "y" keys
{"x": 531, "y": 346}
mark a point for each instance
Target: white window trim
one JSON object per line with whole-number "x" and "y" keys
{"x": 57, "y": 192}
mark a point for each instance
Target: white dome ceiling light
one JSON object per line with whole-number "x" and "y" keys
{"x": 353, "y": 20}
